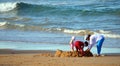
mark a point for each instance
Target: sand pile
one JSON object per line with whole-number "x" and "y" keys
{"x": 60, "y": 53}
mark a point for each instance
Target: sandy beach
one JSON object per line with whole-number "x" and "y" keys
{"x": 32, "y": 31}
{"x": 47, "y": 58}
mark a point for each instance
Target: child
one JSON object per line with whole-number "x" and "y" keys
{"x": 72, "y": 43}
{"x": 79, "y": 45}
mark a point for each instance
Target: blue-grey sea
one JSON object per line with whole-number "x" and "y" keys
{"x": 49, "y": 24}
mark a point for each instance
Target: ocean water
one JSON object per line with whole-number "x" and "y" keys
{"x": 49, "y": 24}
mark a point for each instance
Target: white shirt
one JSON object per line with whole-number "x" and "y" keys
{"x": 94, "y": 39}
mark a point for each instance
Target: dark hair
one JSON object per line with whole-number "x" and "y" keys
{"x": 85, "y": 43}
{"x": 88, "y": 36}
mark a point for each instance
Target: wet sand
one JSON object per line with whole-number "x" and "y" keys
{"x": 46, "y": 58}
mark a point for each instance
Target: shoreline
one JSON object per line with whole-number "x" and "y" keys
{"x": 11, "y": 51}
{"x": 10, "y": 57}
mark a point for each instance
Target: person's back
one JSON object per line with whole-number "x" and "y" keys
{"x": 79, "y": 45}
{"x": 96, "y": 37}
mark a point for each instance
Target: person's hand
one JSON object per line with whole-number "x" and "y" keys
{"x": 88, "y": 49}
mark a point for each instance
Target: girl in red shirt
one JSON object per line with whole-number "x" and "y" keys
{"x": 79, "y": 45}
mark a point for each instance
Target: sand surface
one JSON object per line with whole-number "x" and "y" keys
{"x": 46, "y": 58}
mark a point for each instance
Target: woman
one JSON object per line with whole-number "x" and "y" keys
{"x": 93, "y": 39}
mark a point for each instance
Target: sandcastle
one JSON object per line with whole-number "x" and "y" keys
{"x": 60, "y": 53}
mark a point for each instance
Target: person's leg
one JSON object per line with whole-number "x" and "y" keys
{"x": 76, "y": 48}
{"x": 76, "y": 45}
{"x": 81, "y": 51}
{"x": 72, "y": 47}
{"x": 99, "y": 46}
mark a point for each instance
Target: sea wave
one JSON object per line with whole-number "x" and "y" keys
{"x": 108, "y": 34}
{"x": 4, "y": 7}
{"x": 3, "y": 23}
{"x": 8, "y": 25}
{"x": 23, "y": 27}
{"x": 58, "y": 9}
{"x": 8, "y": 6}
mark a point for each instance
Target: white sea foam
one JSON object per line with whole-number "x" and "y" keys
{"x": 81, "y": 32}
{"x": 20, "y": 25}
{"x": 3, "y": 23}
{"x": 103, "y": 31}
{"x": 4, "y": 7}
{"x": 112, "y": 35}
{"x": 108, "y": 34}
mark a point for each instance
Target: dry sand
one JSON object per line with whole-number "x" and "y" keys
{"x": 47, "y": 58}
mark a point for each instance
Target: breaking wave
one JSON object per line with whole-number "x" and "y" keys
{"x": 4, "y": 7}
{"x": 22, "y": 27}
{"x": 58, "y": 9}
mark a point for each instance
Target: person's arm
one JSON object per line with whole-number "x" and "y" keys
{"x": 70, "y": 41}
{"x": 92, "y": 42}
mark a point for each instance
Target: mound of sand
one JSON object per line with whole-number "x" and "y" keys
{"x": 60, "y": 53}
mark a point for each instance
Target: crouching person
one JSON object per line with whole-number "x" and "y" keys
{"x": 79, "y": 45}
